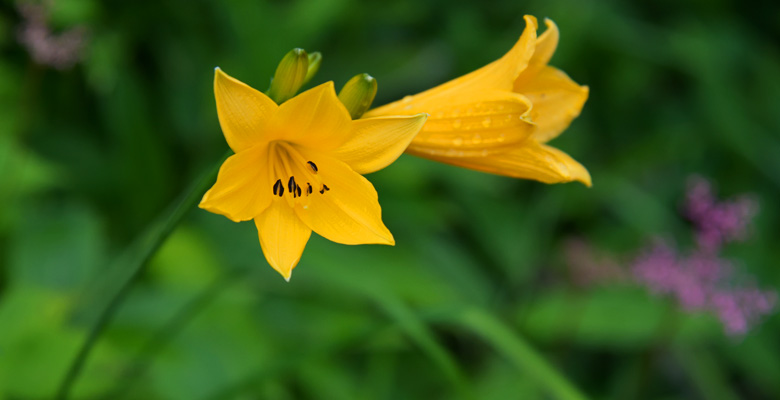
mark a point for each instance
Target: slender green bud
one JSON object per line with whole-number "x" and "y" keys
{"x": 314, "y": 65}
{"x": 290, "y": 76}
{"x": 358, "y": 94}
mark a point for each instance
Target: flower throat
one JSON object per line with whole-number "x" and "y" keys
{"x": 286, "y": 164}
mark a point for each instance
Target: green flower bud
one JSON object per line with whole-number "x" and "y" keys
{"x": 290, "y": 76}
{"x": 314, "y": 65}
{"x": 358, "y": 94}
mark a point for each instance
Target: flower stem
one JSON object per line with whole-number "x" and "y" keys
{"x": 518, "y": 351}
{"x": 121, "y": 276}
{"x": 144, "y": 357}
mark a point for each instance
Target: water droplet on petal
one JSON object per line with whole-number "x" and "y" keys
{"x": 457, "y": 124}
{"x": 487, "y": 122}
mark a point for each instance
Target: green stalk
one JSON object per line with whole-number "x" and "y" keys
{"x": 127, "y": 268}
{"x": 518, "y": 351}
{"x": 144, "y": 357}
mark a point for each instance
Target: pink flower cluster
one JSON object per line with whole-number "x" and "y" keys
{"x": 60, "y": 51}
{"x": 701, "y": 280}
{"x": 717, "y": 223}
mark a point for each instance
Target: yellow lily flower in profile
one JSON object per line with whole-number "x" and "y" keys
{"x": 297, "y": 168}
{"x": 499, "y": 118}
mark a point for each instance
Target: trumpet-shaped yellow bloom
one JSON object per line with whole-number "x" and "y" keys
{"x": 297, "y": 168}
{"x": 499, "y": 118}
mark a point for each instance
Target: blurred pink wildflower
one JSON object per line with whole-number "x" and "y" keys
{"x": 60, "y": 51}
{"x": 700, "y": 281}
{"x": 717, "y": 223}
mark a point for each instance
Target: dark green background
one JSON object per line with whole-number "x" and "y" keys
{"x": 90, "y": 156}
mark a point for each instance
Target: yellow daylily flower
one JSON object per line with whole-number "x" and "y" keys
{"x": 499, "y": 118}
{"x": 297, "y": 168}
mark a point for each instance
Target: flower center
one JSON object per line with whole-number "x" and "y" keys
{"x": 293, "y": 177}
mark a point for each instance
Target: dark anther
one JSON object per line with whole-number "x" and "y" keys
{"x": 298, "y": 190}
{"x": 324, "y": 186}
{"x": 291, "y": 184}
{"x": 313, "y": 166}
{"x": 308, "y": 189}
{"x": 278, "y": 188}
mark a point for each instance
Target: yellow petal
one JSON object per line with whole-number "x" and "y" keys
{"x": 498, "y": 75}
{"x": 282, "y": 236}
{"x": 243, "y": 111}
{"x": 315, "y": 118}
{"x": 546, "y": 44}
{"x": 349, "y": 211}
{"x": 243, "y": 188}
{"x": 490, "y": 119}
{"x": 377, "y": 142}
{"x": 556, "y": 99}
{"x": 530, "y": 161}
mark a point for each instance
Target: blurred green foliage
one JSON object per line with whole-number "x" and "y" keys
{"x": 90, "y": 155}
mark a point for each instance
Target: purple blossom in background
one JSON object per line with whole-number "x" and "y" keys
{"x": 700, "y": 281}
{"x": 717, "y": 223}
{"x": 60, "y": 51}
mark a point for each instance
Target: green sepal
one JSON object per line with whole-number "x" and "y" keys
{"x": 315, "y": 59}
{"x": 290, "y": 76}
{"x": 358, "y": 94}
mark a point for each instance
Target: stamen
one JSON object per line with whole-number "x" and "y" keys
{"x": 278, "y": 188}
{"x": 291, "y": 185}
{"x": 292, "y": 162}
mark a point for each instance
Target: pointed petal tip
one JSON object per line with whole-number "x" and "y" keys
{"x": 284, "y": 272}
{"x": 329, "y": 85}
{"x": 219, "y": 74}
{"x": 585, "y": 180}
{"x": 578, "y": 173}
{"x": 531, "y": 20}
{"x": 216, "y": 210}
{"x": 420, "y": 119}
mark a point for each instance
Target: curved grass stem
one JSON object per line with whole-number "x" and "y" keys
{"x": 518, "y": 351}
{"x": 118, "y": 280}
